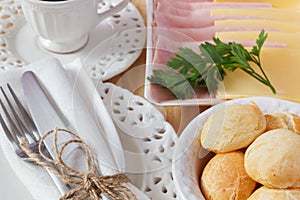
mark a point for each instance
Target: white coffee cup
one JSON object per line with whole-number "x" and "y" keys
{"x": 63, "y": 26}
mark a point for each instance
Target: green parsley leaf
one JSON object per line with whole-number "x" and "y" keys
{"x": 173, "y": 81}
{"x": 188, "y": 69}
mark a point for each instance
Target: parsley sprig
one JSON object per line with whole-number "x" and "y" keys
{"x": 209, "y": 67}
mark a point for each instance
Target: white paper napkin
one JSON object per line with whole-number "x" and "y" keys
{"x": 78, "y": 100}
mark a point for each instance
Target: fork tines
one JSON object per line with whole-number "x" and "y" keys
{"x": 11, "y": 117}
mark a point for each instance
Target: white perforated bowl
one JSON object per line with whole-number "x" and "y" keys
{"x": 189, "y": 158}
{"x": 148, "y": 141}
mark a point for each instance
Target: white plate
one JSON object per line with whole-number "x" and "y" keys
{"x": 188, "y": 166}
{"x": 113, "y": 45}
{"x": 148, "y": 141}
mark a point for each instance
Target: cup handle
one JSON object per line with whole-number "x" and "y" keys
{"x": 105, "y": 9}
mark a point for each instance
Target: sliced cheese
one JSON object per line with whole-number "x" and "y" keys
{"x": 275, "y": 3}
{"x": 282, "y": 67}
{"x": 290, "y": 39}
{"x": 261, "y": 13}
{"x": 260, "y": 23}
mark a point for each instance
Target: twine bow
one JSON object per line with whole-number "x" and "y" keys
{"x": 84, "y": 185}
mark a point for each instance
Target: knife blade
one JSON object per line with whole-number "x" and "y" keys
{"x": 30, "y": 87}
{"x": 42, "y": 109}
{"x": 45, "y": 114}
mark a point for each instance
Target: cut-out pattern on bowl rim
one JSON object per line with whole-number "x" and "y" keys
{"x": 155, "y": 138}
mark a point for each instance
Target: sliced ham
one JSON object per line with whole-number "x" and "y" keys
{"x": 180, "y": 7}
{"x": 165, "y": 47}
{"x": 170, "y": 20}
{"x": 197, "y": 20}
{"x": 203, "y": 34}
{"x": 190, "y": 1}
{"x": 183, "y": 1}
{"x": 195, "y": 15}
{"x": 182, "y": 35}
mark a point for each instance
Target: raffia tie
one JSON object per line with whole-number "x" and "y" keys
{"x": 86, "y": 185}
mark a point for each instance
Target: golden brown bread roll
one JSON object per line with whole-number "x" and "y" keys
{"x": 275, "y": 121}
{"x": 273, "y": 159}
{"x": 265, "y": 193}
{"x": 232, "y": 127}
{"x": 283, "y": 120}
{"x": 224, "y": 177}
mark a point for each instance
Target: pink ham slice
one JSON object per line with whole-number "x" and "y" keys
{"x": 189, "y": 1}
{"x": 203, "y": 34}
{"x": 181, "y": 1}
{"x": 165, "y": 48}
{"x": 195, "y": 15}
{"x": 181, "y": 8}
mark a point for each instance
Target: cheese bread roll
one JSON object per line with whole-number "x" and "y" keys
{"x": 224, "y": 177}
{"x": 265, "y": 193}
{"x": 232, "y": 127}
{"x": 273, "y": 159}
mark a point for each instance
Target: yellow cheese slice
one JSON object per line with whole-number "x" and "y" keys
{"x": 261, "y": 23}
{"x": 282, "y": 67}
{"x": 280, "y": 14}
{"x": 275, "y": 3}
{"x": 290, "y": 39}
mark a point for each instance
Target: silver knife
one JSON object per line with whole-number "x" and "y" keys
{"x": 31, "y": 91}
{"x": 46, "y": 116}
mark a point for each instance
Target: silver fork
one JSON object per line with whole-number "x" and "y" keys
{"x": 19, "y": 124}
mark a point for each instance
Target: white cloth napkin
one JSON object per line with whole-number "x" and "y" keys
{"x": 77, "y": 98}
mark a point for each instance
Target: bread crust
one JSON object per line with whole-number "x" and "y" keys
{"x": 275, "y": 121}
{"x": 283, "y": 120}
{"x": 232, "y": 127}
{"x": 273, "y": 159}
{"x": 265, "y": 193}
{"x": 224, "y": 177}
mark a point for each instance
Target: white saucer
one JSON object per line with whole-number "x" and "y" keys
{"x": 113, "y": 45}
